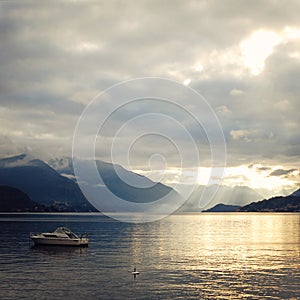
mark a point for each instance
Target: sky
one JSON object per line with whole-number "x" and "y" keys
{"x": 243, "y": 57}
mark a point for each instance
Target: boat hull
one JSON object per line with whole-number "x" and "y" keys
{"x": 60, "y": 242}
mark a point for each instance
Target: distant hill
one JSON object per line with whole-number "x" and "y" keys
{"x": 237, "y": 196}
{"x": 289, "y": 203}
{"x": 223, "y": 208}
{"x": 12, "y": 200}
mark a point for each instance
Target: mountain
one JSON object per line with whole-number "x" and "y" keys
{"x": 45, "y": 185}
{"x": 12, "y": 199}
{"x": 42, "y": 184}
{"x": 223, "y": 208}
{"x": 289, "y": 203}
{"x": 125, "y": 184}
{"x": 296, "y": 193}
{"x": 54, "y": 186}
{"x": 129, "y": 185}
{"x": 14, "y": 160}
{"x": 237, "y": 196}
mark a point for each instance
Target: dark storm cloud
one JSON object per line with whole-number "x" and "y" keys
{"x": 55, "y": 57}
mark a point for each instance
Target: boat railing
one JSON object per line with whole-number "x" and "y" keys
{"x": 84, "y": 236}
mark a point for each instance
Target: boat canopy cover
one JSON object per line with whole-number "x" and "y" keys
{"x": 66, "y": 231}
{"x": 62, "y": 230}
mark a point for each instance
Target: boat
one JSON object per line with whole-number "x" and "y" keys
{"x": 62, "y": 236}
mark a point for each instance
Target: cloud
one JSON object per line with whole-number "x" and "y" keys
{"x": 264, "y": 168}
{"x": 257, "y": 48}
{"x": 281, "y": 172}
{"x": 224, "y": 111}
{"x": 56, "y": 57}
{"x": 259, "y": 167}
{"x": 246, "y": 135}
{"x": 236, "y": 92}
{"x": 240, "y": 134}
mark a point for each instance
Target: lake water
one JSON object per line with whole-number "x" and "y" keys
{"x": 199, "y": 256}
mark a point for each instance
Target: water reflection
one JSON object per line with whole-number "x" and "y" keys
{"x": 204, "y": 256}
{"x": 58, "y": 251}
{"x": 222, "y": 255}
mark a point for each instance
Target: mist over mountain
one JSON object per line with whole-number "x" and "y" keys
{"x": 63, "y": 166}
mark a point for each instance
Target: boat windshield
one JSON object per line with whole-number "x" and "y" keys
{"x": 66, "y": 231}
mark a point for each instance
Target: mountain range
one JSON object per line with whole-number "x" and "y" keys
{"x": 289, "y": 203}
{"x": 116, "y": 178}
{"x": 60, "y": 192}
{"x": 52, "y": 187}
{"x": 238, "y": 195}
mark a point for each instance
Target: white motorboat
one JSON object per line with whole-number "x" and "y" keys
{"x": 62, "y": 236}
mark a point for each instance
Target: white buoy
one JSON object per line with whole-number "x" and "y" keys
{"x": 135, "y": 272}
